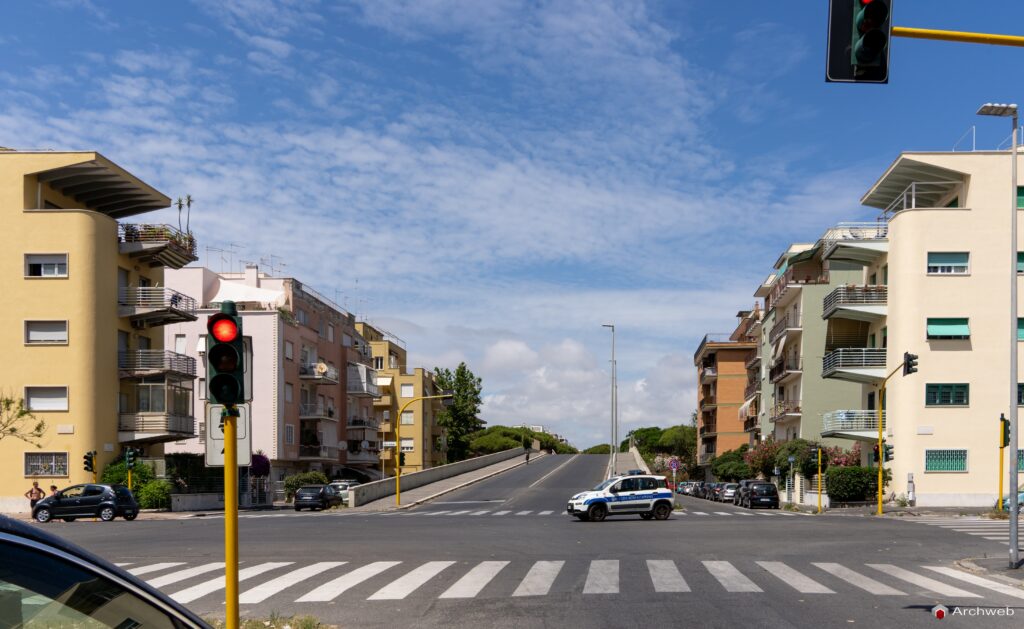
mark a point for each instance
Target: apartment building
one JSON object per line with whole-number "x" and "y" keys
{"x": 82, "y": 329}
{"x": 410, "y": 424}
{"x": 313, "y": 384}
{"x": 749, "y": 411}
{"x": 934, "y": 276}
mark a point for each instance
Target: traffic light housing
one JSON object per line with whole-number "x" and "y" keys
{"x": 859, "y": 32}
{"x": 909, "y": 363}
{"x": 1004, "y": 441}
{"x": 225, "y": 352}
{"x": 401, "y": 459}
{"x": 874, "y": 453}
{"x": 888, "y": 452}
{"x": 129, "y": 457}
{"x": 89, "y": 461}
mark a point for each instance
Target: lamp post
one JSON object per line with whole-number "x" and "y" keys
{"x": 1003, "y": 110}
{"x": 446, "y": 395}
{"x": 614, "y": 401}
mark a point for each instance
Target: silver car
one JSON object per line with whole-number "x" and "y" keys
{"x": 342, "y": 487}
{"x": 728, "y": 492}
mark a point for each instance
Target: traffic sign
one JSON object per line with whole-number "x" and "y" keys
{"x": 674, "y": 465}
{"x": 389, "y": 444}
{"x": 215, "y": 436}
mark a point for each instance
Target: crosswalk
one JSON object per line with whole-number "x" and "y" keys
{"x": 483, "y": 513}
{"x": 985, "y": 528}
{"x": 282, "y": 582}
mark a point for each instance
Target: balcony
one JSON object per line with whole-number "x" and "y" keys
{"x": 722, "y": 340}
{"x": 384, "y": 400}
{"x": 789, "y": 284}
{"x": 363, "y": 423}
{"x": 752, "y": 389}
{"x": 313, "y": 452}
{"x": 363, "y": 456}
{"x": 321, "y": 373}
{"x": 154, "y": 427}
{"x": 860, "y": 243}
{"x": 708, "y": 402}
{"x": 149, "y": 306}
{"x": 708, "y": 430}
{"x": 785, "y": 369}
{"x": 317, "y": 411}
{"x": 362, "y": 381}
{"x": 157, "y": 245}
{"x": 708, "y": 375}
{"x": 856, "y": 364}
{"x": 751, "y": 424}
{"x": 155, "y": 362}
{"x": 753, "y": 361}
{"x": 785, "y": 409}
{"x": 861, "y": 425}
{"x": 789, "y": 323}
{"x": 860, "y": 303}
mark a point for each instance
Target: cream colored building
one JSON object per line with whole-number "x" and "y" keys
{"x": 81, "y": 331}
{"x": 934, "y": 283}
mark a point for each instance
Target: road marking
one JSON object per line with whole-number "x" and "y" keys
{"x": 665, "y": 576}
{"x": 744, "y": 513}
{"x": 545, "y": 513}
{"x": 552, "y": 472}
{"x": 855, "y": 578}
{"x": 405, "y": 585}
{"x": 527, "y": 512}
{"x": 479, "y": 512}
{"x": 501, "y": 512}
{"x": 730, "y": 578}
{"x": 474, "y": 580}
{"x": 209, "y": 587}
{"x": 435, "y": 512}
{"x": 1004, "y": 538}
{"x": 152, "y": 568}
{"x": 796, "y": 580}
{"x": 335, "y": 588}
{"x": 263, "y": 591}
{"x": 466, "y": 502}
{"x": 929, "y": 584}
{"x": 539, "y": 579}
{"x": 122, "y": 565}
{"x": 188, "y": 573}
{"x": 603, "y": 577}
{"x": 699, "y": 513}
{"x": 722, "y": 513}
{"x": 976, "y": 580}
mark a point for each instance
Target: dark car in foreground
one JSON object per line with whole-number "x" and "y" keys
{"x": 90, "y": 500}
{"x": 317, "y": 497}
{"x": 48, "y": 582}
{"x": 762, "y": 495}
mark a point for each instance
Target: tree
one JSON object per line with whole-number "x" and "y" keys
{"x": 761, "y": 458}
{"x": 601, "y": 448}
{"x": 730, "y": 466}
{"x": 19, "y": 422}
{"x": 644, "y": 438}
{"x": 460, "y": 419}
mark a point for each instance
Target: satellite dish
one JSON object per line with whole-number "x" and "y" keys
{"x": 321, "y": 368}
{"x": 364, "y": 444}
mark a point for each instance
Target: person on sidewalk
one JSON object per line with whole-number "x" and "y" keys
{"x": 527, "y": 457}
{"x": 35, "y": 494}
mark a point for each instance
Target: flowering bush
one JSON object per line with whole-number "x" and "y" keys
{"x": 761, "y": 458}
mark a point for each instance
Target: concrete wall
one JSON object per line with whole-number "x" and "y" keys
{"x": 381, "y": 488}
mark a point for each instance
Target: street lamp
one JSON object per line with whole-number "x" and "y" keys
{"x": 447, "y": 396}
{"x": 1003, "y": 110}
{"x": 614, "y": 401}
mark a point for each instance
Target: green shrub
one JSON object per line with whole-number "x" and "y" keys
{"x": 156, "y": 494}
{"x": 603, "y": 448}
{"x": 493, "y": 442}
{"x": 292, "y": 483}
{"x": 849, "y": 484}
{"x": 116, "y": 473}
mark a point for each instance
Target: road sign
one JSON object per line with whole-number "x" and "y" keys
{"x": 792, "y": 459}
{"x": 389, "y": 444}
{"x": 674, "y": 465}
{"x": 215, "y": 436}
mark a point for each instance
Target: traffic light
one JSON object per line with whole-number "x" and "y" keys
{"x": 401, "y": 459}
{"x": 129, "y": 457}
{"x": 874, "y": 453}
{"x": 909, "y": 363}
{"x": 858, "y": 41}
{"x": 888, "y": 452}
{"x": 89, "y": 461}
{"x": 225, "y": 373}
{"x": 1004, "y": 441}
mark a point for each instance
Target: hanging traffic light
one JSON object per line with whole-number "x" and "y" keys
{"x": 858, "y": 41}
{"x": 909, "y": 363}
{"x": 888, "y": 452}
{"x": 89, "y": 461}
{"x": 225, "y": 373}
{"x": 129, "y": 457}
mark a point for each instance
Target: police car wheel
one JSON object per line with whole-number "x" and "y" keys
{"x": 597, "y": 512}
{"x": 662, "y": 511}
{"x": 647, "y": 516}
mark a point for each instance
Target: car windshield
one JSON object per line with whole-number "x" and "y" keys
{"x": 731, "y": 486}
{"x": 309, "y": 490}
{"x": 764, "y": 490}
{"x": 605, "y": 484}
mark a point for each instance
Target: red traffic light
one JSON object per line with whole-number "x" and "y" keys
{"x": 224, "y": 329}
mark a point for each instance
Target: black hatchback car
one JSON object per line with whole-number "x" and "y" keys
{"x": 761, "y": 495}
{"x": 105, "y": 502}
{"x": 316, "y": 497}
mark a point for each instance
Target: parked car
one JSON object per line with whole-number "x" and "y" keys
{"x": 741, "y": 490}
{"x": 1006, "y": 501}
{"x": 342, "y": 487}
{"x": 728, "y": 492}
{"x": 316, "y": 497}
{"x": 713, "y": 490}
{"x": 698, "y": 489}
{"x": 90, "y": 500}
{"x": 762, "y": 495}
{"x": 49, "y": 582}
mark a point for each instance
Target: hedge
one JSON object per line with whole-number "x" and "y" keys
{"x": 156, "y": 494}
{"x": 292, "y": 483}
{"x": 848, "y": 484}
{"x": 116, "y": 473}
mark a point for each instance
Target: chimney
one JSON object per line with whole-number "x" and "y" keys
{"x": 252, "y": 275}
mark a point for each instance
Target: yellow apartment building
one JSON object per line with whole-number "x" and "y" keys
{"x": 81, "y": 330}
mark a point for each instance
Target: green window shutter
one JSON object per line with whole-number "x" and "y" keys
{"x": 1020, "y": 196}
{"x": 936, "y": 258}
{"x": 1020, "y": 261}
{"x": 953, "y": 328}
{"x": 947, "y": 394}
{"x": 1020, "y": 394}
{"x": 954, "y": 203}
{"x": 1020, "y": 461}
{"x": 945, "y": 460}
{"x": 1020, "y": 329}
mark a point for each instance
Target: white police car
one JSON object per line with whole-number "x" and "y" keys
{"x": 646, "y": 496}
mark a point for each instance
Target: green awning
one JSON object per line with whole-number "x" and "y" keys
{"x": 948, "y": 329}
{"x": 803, "y": 256}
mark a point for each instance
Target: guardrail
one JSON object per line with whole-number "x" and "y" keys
{"x": 791, "y": 321}
{"x": 852, "y": 358}
{"x": 783, "y": 408}
{"x": 156, "y": 360}
{"x": 854, "y": 296}
{"x": 363, "y": 422}
{"x": 155, "y": 297}
{"x": 783, "y": 368}
{"x": 316, "y": 410}
{"x": 156, "y": 423}
{"x": 319, "y": 371}
{"x": 851, "y": 421}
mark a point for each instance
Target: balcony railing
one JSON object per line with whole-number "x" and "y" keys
{"x": 708, "y": 373}
{"x": 708, "y": 401}
{"x": 851, "y": 421}
{"x": 751, "y": 424}
{"x": 793, "y": 278}
{"x": 319, "y": 371}
{"x": 160, "y": 244}
{"x": 363, "y": 422}
{"x": 362, "y": 381}
{"x": 751, "y": 389}
{"x": 853, "y": 296}
{"x": 317, "y": 411}
{"x": 156, "y": 426}
{"x": 852, "y": 358}
{"x": 318, "y": 452}
{"x": 921, "y": 194}
{"x": 792, "y": 321}
{"x": 154, "y": 305}
{"x": 708, "y": 429}
{"x": 752, "y": 361}
{"x": 154, "y": 361}
{"x": 784, "y": 368}
{"x": 861, "y": 235}
{"x": 721, "y": 337}
{"x": 785, "y": 408}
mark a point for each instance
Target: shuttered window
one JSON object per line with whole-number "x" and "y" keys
{"x": 948, "y": 263}
{"x": 947, "y": 394}
{"x": 948, "y": 328}
{"x": 46, "y": 398}
{"x": 945, "y": 460}
{"x": 46, "y": 332}
{"x": 46, "y": 265}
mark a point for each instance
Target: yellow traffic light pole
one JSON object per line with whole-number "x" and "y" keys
{"x": 999, "y": 496}
{"x": 819, "y": 480}
{"x": 881, "y": 439}
{"x": 958, "y": 36}
{"x": 230, "y": 417}
{"x": 398, "y": 443}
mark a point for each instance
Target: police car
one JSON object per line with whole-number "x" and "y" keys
{"x": 644, "y": 495}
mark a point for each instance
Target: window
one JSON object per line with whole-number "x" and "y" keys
{"x": 408, "y": 418}
{"x": 871, "y": 341}
{"x": 408, "y": 390}
{"x": 378, "y": 362}
{"x": 647, "y": 484}
{"x": 628, "y": 484}
{"x": 945, "y": 460}
{"x": 386, "y": 416}
{"x": 954, "y": 202}
{"x": 330, "y": 333}
{"x": 289, "y": 350}
{"x": 289, "y": 393}
{"x": 1020, "y": 197}
{"x": 301, "y": 317}
{"x": 885, "y": 274}
{"x": 46, "y": 332}
{"x": 202, "y": 388}
{"x": 885, "y": 336}
{"x": 948, "y": 263}
{"x": 1020, "y": 394}
{"x": 46, "y": 265}
{"x": 407, "y": 444}
{"x": 179, "y": 344}
{"x": 346, "y": 340}
{"x": 1020, "y": 261}
{"x": 947, "y": 394}
{"x": 949, "y": 328}
{"x": 1020, "y": 329}
{"x": 46, "y": 398}
{"x": 289, "y": 434}
{"x": 46, "y": 464}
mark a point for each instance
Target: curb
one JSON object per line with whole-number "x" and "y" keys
{"x": 969, "y": 565}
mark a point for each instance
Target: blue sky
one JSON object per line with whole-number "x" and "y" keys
{"x": 494, "y": 180}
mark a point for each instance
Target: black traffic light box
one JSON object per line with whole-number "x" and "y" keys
{"x": 909, "y": 363}
{"x": 129, "y": 457}
{"x": 859, "y": 32}
{"x": 1004, "y": 440}
{"x": 89, "y": 461}
{"x": 888, "y": 452}
{"x": 225, "y": 352}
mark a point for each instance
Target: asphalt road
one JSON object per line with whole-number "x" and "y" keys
{"x": 502, "y": 553}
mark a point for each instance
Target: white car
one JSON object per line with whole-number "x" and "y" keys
{"x": 643, "y": 495}
{"x": 342, "y": 487}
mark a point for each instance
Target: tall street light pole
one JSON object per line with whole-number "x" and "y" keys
{"x": 614, "y": 401}
{"x": 990, "y": 109}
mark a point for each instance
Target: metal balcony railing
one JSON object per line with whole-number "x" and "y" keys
{"x": 316, "y": 410}
{"x": 752, "y": 361}
{"x": 155, "y": 297}
{"x": 783, "y": 368}
{"x": 160, "y": 423}
{"x": 751, "y": 389}
{"x": 792, "y": 321}
{"x": 708, "y": 373}
{"x": 791, "y": 278}
{"x": 708, "y": 429}
{"x": 853, "y": 233}
{"x": 363, "y": 422}
{"x": 318, "y": 371}
{"x": 852, "y": 358}
{"x": 708, "y": 401}
{"x": 318, "y": 452}
{"x": 156, "y": 360}
{"x": 751, "y": 424}
{"x": 157, "y": 234}
{"x": 851, "y": 421}
{"x": 920, "y": 194}
{"x": 784, "y": 408}
{"x": 854, "y": 296}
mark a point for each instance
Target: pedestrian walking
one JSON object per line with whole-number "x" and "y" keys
{"x": 527, "y": 457}
{"x": 35, "y": 494}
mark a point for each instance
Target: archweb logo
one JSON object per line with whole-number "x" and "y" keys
{"x": 940, "y": 611}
